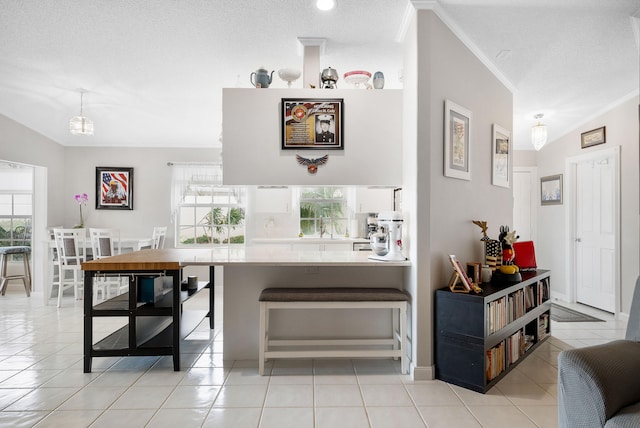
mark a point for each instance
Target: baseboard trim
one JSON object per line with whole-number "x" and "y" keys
{"x": 422, "y": 373}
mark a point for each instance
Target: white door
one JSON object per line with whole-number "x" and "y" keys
{"x": 596, "y": 233}
{"x": 524, "y": 203}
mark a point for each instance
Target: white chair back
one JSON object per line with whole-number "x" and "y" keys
{"x": 70, "y": 246}
{"x": 159, "y": 233}
{"x": 104, "y": 242}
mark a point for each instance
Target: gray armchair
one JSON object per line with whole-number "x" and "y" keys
{"x": 599, "y": 386}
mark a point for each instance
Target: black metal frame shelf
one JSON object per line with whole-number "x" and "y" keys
{"x": 151, "y": 328}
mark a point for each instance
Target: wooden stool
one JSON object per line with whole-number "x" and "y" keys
{"x": 5, "y": 252}
{"x": 334, "y": 298}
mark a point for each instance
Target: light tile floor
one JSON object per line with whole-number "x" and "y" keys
{"x": 42, "y": 383}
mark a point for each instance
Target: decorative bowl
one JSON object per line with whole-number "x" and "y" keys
{"x": 289, "y": 75}
{"x": 357, "y": 77}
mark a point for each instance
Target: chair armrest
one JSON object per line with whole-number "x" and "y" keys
{"x": 595, "y": 382}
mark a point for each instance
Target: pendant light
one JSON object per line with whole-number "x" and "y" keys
{"x": 325, "y": 4}
{"x": 81, "y": 125}
{"x": 538, "y": 133}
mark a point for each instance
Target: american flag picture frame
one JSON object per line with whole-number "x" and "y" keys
{"x": 114, "y": 188}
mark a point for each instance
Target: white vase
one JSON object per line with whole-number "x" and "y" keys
{"x": 378, "y": 80}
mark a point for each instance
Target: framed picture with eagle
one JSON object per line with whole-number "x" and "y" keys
{"x": 309, "y": 123}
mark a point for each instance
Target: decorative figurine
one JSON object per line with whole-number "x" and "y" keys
{"x": 482, "y": 225}
{"x": 312, "y": 164}
{"x": 508, "y": 270}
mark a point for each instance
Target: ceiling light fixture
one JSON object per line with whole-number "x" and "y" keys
{"x": 538, "y": 133}
{"x": 81, "y": 125}
{"x": 326, "y": 4}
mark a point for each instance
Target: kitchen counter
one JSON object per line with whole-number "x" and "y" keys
{"x": 246, "y": 271}
{"x": 310, "y": 240}
{"x": 172, "y": 258}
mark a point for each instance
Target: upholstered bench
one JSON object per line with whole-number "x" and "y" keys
{"x": 5, "y": 252}
{"x": 334, "y": 298}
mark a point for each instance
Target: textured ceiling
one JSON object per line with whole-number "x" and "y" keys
{"x": 154, "y": 69}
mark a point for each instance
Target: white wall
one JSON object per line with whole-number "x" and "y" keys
{"x": 252, "y": 139}
{"x": 151, "y": 186}
{"x": 438, "y": 67}
{"x": 23, "y": 145}
{"x": 621, "y": 130}
{"x": 71, "y": 170}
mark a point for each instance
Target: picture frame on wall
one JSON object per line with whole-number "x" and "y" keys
{"x": 551, "y": 190}
{"x": 593, "y": 137}
{"x": 501, "y": 156}
{"x": 114, "y": 188}
{"x": 457, "y": 141}
{"x": 312, "y": 123}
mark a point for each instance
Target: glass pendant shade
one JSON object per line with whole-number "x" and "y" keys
{"x": 325, "y": 4}
{"x": 80, "y": 125}
{"x": 538, "y": 134}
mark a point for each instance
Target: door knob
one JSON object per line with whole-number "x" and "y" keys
{"x": 578, "y": 240}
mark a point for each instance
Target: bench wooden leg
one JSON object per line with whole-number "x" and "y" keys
{"x": 263, "y": 340}
{"x": 27, "y": 272}
{"x": 403, "y": 338}
{"x": 3, "y": 273}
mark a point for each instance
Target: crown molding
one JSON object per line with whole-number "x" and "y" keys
{"x": 311, "y": 41}
{"x": 434, "y": 6}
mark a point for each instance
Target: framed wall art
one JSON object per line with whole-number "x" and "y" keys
{"x": 310, "y": 123}
{"x": 114, "y": 188}
{"x": 500, "y": 156}
{"x": 593, "y": 137}
{"x": 551, "y": 190}
{"x": 457, "y": 145}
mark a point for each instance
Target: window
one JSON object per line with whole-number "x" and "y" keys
{"x": 323, "y": 210}
{"x": 205, "y": 212}
{"x": 16, "y": 210}
{"x": 16, "y": 204}
{"x": 212, "y": 215}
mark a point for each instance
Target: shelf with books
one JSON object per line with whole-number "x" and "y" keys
{"x": 479, "y": 338}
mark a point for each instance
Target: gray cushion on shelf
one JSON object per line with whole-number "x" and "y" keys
{"x": 333, "y": 295}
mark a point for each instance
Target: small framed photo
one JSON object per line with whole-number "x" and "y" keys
{"x": 457, "y": 144}
{"x": 312, "y": 124}
{"x": 461, "y": 274}
{"x": 500, "y": 156}
{"x": 114, "y": 188}
{"x": 551, "y": 190}
{"x": 593, "y": 137}
{"x": 474, "y": 271}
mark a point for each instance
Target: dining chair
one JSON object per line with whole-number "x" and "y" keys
{"x": 159, "y": 233}
{"x": 54, "y": 269}
{"x": 106, "y": 243}
{"x": 70, "y": 249}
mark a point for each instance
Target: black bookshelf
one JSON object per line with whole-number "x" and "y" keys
{"x": 479, "y": 338}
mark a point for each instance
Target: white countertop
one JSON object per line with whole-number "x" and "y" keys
{"x": 274, "y": 256}
{"x": 310, "y": 240}
{"x": 236, "y": 255}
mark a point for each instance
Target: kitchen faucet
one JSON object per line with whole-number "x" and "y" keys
{"x": 322, "y": 228}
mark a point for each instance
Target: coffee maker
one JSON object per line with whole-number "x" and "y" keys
{"x": 386, "y": 242}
